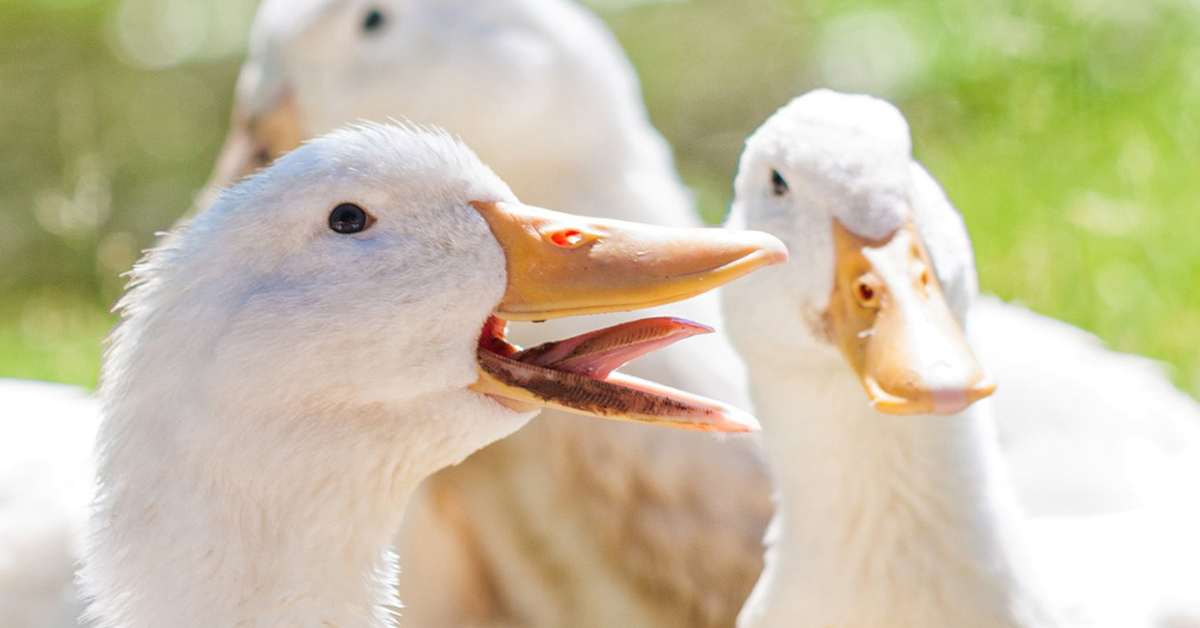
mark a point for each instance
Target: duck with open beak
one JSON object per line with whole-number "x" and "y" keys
{"x": 891, "y": 321}
{"x": 563, "y": 265}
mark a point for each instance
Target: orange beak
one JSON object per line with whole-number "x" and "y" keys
{"x": 888, "y": 315}
{"x": 563, "y": 265}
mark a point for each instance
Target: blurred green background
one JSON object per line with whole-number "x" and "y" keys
{"x": 1068, "y": 132}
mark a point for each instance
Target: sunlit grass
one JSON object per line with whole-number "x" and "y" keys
{"x": 52, "y": 337}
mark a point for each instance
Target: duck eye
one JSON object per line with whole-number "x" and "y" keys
{"x": 373, "y": 21}
{"x": 779, "y": 187}
{"x": 349, "y": 218}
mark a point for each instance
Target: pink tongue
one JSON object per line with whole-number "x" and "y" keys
{"x": 598, "y": 353}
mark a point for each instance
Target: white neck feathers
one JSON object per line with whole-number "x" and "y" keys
{"x": 883, "y": 520}
{"x": 218, "y": 511}
{"x": 188, "y": 536}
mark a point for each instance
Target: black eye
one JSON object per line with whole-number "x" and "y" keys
{"x": 779, "y": 187}
{"x": 349, "y": 218}
{"x": 373, "y": 21}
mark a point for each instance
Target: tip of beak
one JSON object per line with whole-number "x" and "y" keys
{"x": 984, "y": 388}
{"x": 773, "y": 251}
{"x": 950, "y": 400}
{"x": 738, "y": 421}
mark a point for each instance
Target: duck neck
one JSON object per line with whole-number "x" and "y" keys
{"x": 883, "y": 520}
{"x": 248, "y": 520}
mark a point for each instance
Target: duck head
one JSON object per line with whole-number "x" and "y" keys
{"x": 832, "y": 176}
{"x": 379, "y": 264}
{"x": 463, "y": 65}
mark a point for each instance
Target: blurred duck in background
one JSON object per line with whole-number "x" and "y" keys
{"x": 907, "y": 521}
{"x": 47, "y": 433}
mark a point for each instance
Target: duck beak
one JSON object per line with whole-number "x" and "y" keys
{"x": 563, "y": 265}
{"x": 889, "y": 317}
{"x": 255, "y": 140}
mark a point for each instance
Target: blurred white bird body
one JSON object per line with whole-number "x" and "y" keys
{"x": 905, "y": 521}
{"x": 46, "y": 438}
{"x": 1084, "y": 430}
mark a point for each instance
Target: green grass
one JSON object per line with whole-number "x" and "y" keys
{"x": 1066, "y": 131}
{"x": 53, "y": 337}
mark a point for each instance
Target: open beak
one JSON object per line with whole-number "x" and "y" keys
{"x": 563, "y": 265}
{"x": 888, "y": 315}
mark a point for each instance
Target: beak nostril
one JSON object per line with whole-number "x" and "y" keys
{"x": 566, "y": 238}
{"x": 865, "y": 293}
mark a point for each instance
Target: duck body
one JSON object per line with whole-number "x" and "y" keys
{"x": 1137, "y": 568}
{"x": 46, "y": 437}
{"x": 1123, "y": 439}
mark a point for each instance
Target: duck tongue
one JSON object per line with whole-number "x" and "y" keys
{"x": 598, "y": 353}
{"x": 577, "y": 375}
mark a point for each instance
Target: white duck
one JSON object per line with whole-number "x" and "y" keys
{"x": 901, "y": 521}
{"x": 330, "y": 332}
{"x": 544, "y": 92}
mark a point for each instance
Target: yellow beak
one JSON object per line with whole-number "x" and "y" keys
{"x": 563, "y": 265}
{"x": 888, "y": 315}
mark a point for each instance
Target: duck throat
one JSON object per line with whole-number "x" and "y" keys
{"x": 285, "y": 525}
{"x": 884, "y": 520}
